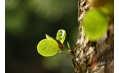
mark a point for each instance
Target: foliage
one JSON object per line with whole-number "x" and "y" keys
{"x": 61, "y": 34}
{"x": 50, "y": 46}
{"x": 95, "y": 24}
{"x": 97, "y": 20}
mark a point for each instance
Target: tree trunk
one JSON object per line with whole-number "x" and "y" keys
{"x": 93, "y": 57}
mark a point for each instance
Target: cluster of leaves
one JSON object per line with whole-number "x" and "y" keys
{"x": 50, "y": 46}
{"x": 98, "y": 18}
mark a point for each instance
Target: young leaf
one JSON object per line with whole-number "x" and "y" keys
{"x": 95, "y": 24}
{"x": 48, "y": 37}
{"x": 68, "y": 45}
{"x": 60, "y": 45}
{"x": 47, "y": 47}
{"x": 61, "y": 35}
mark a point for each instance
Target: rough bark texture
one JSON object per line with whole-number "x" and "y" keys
{"x": 93, "y": 57}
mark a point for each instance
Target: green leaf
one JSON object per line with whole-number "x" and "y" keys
{"x": 48, "y": 37}
{"x": 47, "y": 47}
{"x": 68, "y": 45}
{"x": 108, "y": 9}
{"x": 95, "y": 24}
{"x": 61, "y": 35}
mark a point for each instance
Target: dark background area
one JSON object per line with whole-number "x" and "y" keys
{"x": 26, "y": 23}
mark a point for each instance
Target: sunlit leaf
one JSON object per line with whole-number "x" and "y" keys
{"x": 59, "y": 43}
{"x": 48, "y": 37}
{"x": 95, "y": 24}
{"x": 47, "y": 47}
{"x": 61, "y": 35}
{"x": 68, "y": 45}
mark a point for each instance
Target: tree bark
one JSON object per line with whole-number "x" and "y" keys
{"x": 93, "y": 57}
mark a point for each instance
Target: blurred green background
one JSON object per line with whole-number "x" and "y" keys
{"x": 26, "y": 23}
